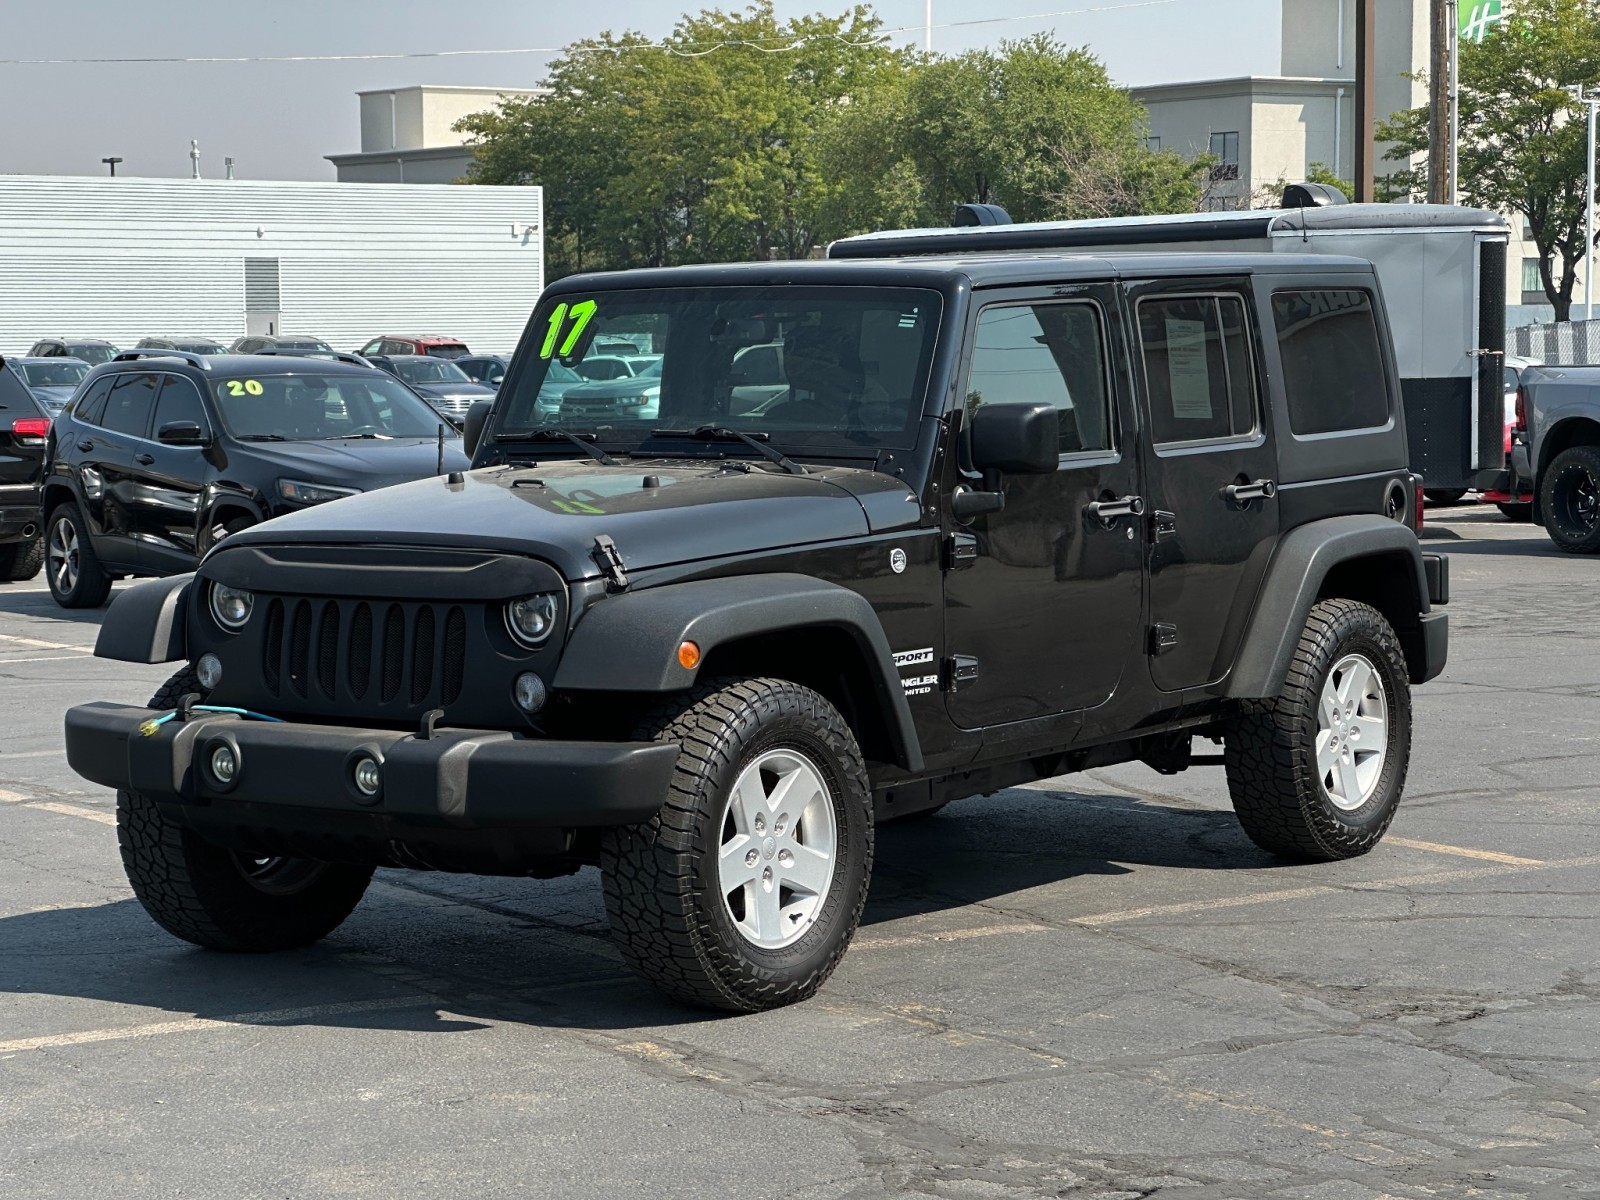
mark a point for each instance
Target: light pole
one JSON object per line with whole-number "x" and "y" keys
{"x": 1590, "y": 99}
{"x": 112, "y": 163}
{"x": 927, "y": 39}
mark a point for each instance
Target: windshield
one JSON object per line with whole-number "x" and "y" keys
{"x": 841, "y": 368}
{"x": 313, "y": 407}
{"x": 304, "y": 344}
{"x": 429, "y": 370}
{"x": 56, "y": 374}
{"x": 199, "y": 347}
{"x": 93, "y": 354}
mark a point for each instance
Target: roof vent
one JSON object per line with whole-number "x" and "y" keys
{"x": 980, "y": 214}
{"x": 1312, "y": 195}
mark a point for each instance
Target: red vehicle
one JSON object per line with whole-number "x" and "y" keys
{"x": 432, "y": 343}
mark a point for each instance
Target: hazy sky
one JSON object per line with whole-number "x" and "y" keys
{"x": 278, "y": 119}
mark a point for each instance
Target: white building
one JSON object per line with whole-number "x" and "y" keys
{"x": 408, "y": 135}
{"x": 128, "y": 258}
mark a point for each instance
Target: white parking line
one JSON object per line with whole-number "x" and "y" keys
{"x": 196, "y": 1024}
{"x": 1462, "y": 851}
{"x": 59, "y": 807}
{"x": 39, "y": 644}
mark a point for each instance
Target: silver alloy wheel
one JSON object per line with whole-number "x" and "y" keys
{"x": 1352, "y": 732}
{"x": 778, "y": 849}
{"x": 63, "y": 555}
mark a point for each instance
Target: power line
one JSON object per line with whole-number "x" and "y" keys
{"x": 688, "y": 50}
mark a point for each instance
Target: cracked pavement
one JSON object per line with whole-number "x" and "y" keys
{"x": 1096, "y": 987}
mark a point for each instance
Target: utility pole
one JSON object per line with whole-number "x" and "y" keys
{"x": 1439, "y": 103}
{"x": 1366, "y": 104}
{"x": 927, "y": 40}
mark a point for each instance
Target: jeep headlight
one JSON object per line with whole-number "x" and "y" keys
{"x": 531, "y": 619}
{"x": 231, "y": 606}
{"x": 297, "y": 491}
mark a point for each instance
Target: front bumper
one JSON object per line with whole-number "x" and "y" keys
{"x": 299, "y": 778}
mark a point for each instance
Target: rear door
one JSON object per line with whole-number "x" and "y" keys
{"x": 105, "y": 457}
{"x": 1042, "y": 599}
{"x": 1210, "y": 473}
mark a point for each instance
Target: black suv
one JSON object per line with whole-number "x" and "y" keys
{"x": 1010, "y": 517}
{"x": 439, "y": 381}
{"x": 93, "y": 351}
{"x": 24, "y": 433}
{"x": 162, "y": 454}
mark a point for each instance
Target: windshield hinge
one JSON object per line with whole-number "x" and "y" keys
{"x": 605, "y": 553}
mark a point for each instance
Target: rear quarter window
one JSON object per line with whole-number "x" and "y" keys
{"x": 1333, "y": 364}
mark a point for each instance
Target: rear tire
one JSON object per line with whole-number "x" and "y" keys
{"x": 221, "y": 899}
{"x": 1305, "y": 783}
{"x": 22, "y": 560}
{"x": 74, "y": 573}
{"x": 1569, "y": 497}
{"x": 743, "y": 892}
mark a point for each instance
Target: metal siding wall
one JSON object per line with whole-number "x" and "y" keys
{"x": 126, "y": 258}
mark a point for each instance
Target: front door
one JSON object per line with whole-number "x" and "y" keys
{"x": 1210, "y": 467}
{"x": 171, "y": 480}
{"x": 1043, "y": 599}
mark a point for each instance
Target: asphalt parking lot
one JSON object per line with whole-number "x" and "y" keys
{"x": 1093, "y": 988}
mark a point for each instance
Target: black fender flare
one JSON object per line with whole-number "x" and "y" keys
{"x": 148, "y": 622}
{"x": 1293, "y": 584}
{"x": 629, "y": 643}
{"x": 227, "y": 496}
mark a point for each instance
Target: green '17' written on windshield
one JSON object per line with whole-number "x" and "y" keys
{"x": 580, "y": 315}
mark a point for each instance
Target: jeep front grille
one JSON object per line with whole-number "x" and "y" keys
{"x": 325, "y": 651}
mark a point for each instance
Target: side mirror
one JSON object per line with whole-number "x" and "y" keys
{"x": 1016, "y": 439}
{"x": 472, "y": 427}
{"x": 182, "y": 433}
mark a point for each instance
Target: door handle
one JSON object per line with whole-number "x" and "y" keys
{"x": 85, "y": 444}
{"x": 144, "y": 460}
{"x": 1241, "y": 494}
{"x": 1107, "y": 511}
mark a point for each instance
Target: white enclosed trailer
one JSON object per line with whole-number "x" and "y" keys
{"x": 1442, "y": 270}
{"x": 123, "y": 259}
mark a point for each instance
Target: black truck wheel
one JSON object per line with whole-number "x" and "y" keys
{"x": 1569, "y": 496}
{"x": 1316, "y": 774}
{"x": 1444, "y": 497}
{"x": 73, "y": 572}
{"x": 21, "y": 560}
{"x": 1516, "y": 512}
{"x": 221, "y": 899}
{"x": 743, "y": 892}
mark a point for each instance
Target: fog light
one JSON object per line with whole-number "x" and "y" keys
{"x": 529, "y": 692}
{"x": 208, "y": 671}
{"x": 367, "y": 776}
{"x": 224, "y": 764}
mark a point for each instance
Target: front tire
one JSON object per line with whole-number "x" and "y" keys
{"x": 1317, "y": 773}
{"x": 74, "y": 573}
{"x": 1569, "y": 497}
{"x": 221, "y": 899}
{"x": 742, "y": 894}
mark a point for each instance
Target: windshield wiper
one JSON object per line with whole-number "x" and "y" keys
{"x": 260, "y": 437}
{"x": 549, "y": 434}
{"x": 349, "y": 437}
{"x": 723, "y": 433}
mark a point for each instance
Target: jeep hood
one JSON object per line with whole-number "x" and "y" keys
{"x": 657, "y": 513}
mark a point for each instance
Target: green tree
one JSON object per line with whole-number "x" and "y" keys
{"x": 702, "y": 148}
{"x": 1035, "y": 126}
{"x": 1522, "y": 130}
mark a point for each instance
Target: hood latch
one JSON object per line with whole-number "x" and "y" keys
{"x": 605, "y": 553}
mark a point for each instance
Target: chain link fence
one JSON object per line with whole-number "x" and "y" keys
{"x": 1560, "y": 343}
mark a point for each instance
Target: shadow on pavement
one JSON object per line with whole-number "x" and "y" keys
{"x": 518, "y": 965}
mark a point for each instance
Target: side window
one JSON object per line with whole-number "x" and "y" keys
{"x": 1333, "y": 371}
{"x": 179, "y": 401}
{"x": 1046, "y": 354}
{"x": 1197, "y": 368}
{"x": 91, "y": 405}
{"x": 128, "y": 408}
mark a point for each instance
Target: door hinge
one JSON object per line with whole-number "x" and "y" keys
{"x": 609, "y": 559}
{"x": 960, "y": 550}
{"x": 1163, "y": 637}
{"x": 1163, "y": 525}
{"x": 959, "y": 672}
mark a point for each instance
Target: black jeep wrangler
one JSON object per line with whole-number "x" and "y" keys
{"x": 1002, "y": 519}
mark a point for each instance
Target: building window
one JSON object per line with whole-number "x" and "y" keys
{"x": 1153, "y": 144}
{"x": 1530, "y": 276}
{"x": 1225, "y": 149}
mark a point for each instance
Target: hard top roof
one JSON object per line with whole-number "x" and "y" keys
{"x": 940, "y": 271}
{"x": 1175, "y": 227}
